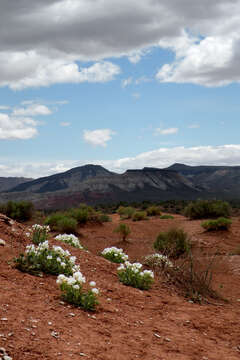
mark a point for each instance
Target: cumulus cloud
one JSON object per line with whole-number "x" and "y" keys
{"x": 226, "y": 155}
{"x": 65, "y": 123}
{"x": 21, "y": 70}
{"x": 32, "y": 110}
{"x": 168, "y": 131}
{"x": 98, "y": 137}
{"x": 78, "y": 31}
{"x": 17, "y": 127}
{"x": 18, "y": 123}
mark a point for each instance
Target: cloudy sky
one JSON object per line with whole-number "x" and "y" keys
{"x": 122, "y": 83}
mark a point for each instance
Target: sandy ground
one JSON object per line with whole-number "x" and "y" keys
{"x": 158, "y": 324}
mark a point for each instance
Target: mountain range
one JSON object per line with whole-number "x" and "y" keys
{"x": 95, "y": 184}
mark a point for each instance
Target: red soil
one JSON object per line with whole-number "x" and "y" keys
{"x": 129, "y": 324}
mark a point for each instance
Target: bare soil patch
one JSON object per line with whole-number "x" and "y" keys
{"x": 157, "y": 324}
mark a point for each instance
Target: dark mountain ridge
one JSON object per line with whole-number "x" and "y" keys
{"x": 95, "y": 184}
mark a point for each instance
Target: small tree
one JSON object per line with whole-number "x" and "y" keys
{"x": 123, "y": 230}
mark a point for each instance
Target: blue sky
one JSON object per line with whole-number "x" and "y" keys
{"x": 118, "y": 84}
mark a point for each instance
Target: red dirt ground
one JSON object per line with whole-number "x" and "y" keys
{"x": 129, "y": 324}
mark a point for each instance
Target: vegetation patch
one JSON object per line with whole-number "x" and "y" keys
{"x": 172, "y": 243}
{"x": 218, "y": 224}
{"x": 18, "y": 210}
{"x": 153, "y": 211}
{"x": 170, "y": 217}
{"x": 114, "y": 254}
{"x": 74, "y": 293}
{"x": 43, "y": 259}
{"x": 139, "y": 215}
{"x": 69, "y": 239}
{"x": 124, "y": 231}
{"x": 132, "y": 275}
{"x": 207, "y": 209}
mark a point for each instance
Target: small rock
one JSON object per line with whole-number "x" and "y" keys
{"x": 82, "y": 354}
{"x": 49, "y": 323}
{"x": 4, "y": 319}
{"x": 158, "y": 336}
{"x": 167, "y": 339}
{"x": 71, "y": 314}
{"x": 55, "y": 334}
{"x": 2, "y": 242}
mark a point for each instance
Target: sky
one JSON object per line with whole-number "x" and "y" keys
{"x": 119, "y": 83}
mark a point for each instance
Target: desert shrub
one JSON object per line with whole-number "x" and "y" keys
{"x": 39, "y": 233}
{"x": 114, "y": 254}
{"x": 132, "y": 275}
{"x": 124, "y": 230}
{"x": 173, "y": 243}
{"x": 153, "y": 211}
{"x": 69, "y": 239}
{"x": 81, "y": 215}
{"x": 167, "y": 217}
{"x": 40, "y": 259}
{"x": 67, "y": 225}
{"x": 104, "y": 218}
{"x": 125, "y": 212}
{"x": 18, "y": 210}
{"x": 52, "y": 220}
{"x": 157, "y": 261}
{"x": 74, "y": 293}
{"x": 193, "y": 277}
{"x": 218, "y": 224}
{"x": 139, "y": 215}
{"x": 62, "y": 223}
{"x": 204, "y": 209}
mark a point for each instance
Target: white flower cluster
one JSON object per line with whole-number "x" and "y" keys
{"x": 62, "y": 255}
{"x": 115, "y": 252}
{"x": 76, "y": 281}
{"x": 136, "y": 269}
{"x": 69, "y": 239}
{"x": 158, "y": 259}
{"x": 38, "y": 227}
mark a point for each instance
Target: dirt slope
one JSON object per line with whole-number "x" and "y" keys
{"x": 129, "y": 324}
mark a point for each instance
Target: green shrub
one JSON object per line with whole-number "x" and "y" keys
{"x": 153, "y": 211}
{"x": 139, "y": 215}
{"x": 52, "y": 220}
{"x": 39, "y": 233}
{"x": 205, "y": 209}
{"x": 166, "y": 217}
{"x": 125, "y": 212}
{"x": 104, "y": 218}
{"x": 218, "y": 224}
{"x": 80, "y": 215}
{"x": 73, "y": 291}
{"x": 114, "y": 254}
{"x": 132, "y": 275}
{"x": 123, "y": 230}
{"x": 172, "y": 243}
{"x": 67, "y": 225}
{"x": 40, "y": 259}
{"x": 20, "y": 211}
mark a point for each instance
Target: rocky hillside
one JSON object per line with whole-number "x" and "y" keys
{"x": 6, "y": 183}
{"x": 95, "y": 184}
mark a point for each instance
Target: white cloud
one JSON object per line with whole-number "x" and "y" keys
{"x": 225, "y": 155}
{"x": 65, "y": 123}
{"x": 194, "y": 126}
{"x": 4, "y": 107}
{"x": 31, "y": 69}
{"x": 32, "y": 110}
{"x": 98, "y": 137}
{"x": 78, "y": 31}
{"x": 126, "y": 82}
{"x": 17, "y": 127}
{"x": 168, "y": 131}
{"x": 211, "y": 61}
